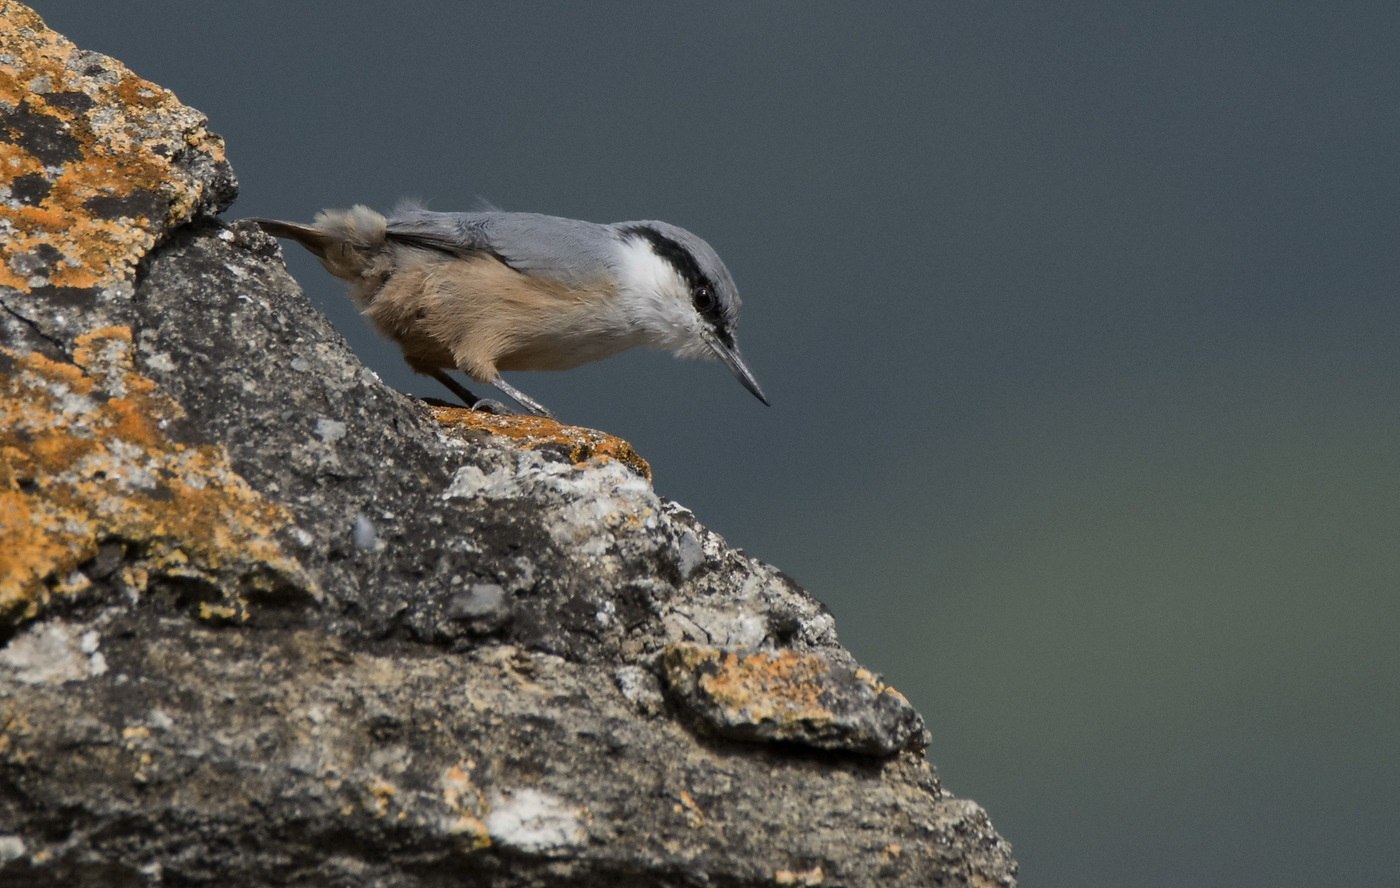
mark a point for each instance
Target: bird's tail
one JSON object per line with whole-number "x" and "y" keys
{"x": 348, "y": 242}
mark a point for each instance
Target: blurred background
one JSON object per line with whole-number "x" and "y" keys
{"x": 1079, "y": 321}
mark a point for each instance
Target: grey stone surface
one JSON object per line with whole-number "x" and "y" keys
{"x": 405, "y": 655}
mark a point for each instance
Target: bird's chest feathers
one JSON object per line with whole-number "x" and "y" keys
{"x": 486, "y": 314}
{"x": 573, "y": 333}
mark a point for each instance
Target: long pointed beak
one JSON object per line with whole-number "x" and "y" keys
{"x": 731, "y": 359}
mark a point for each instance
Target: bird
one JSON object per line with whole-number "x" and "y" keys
{"x": 487, "y": 291}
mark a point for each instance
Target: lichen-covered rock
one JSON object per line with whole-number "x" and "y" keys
{"x": 86, "y": 463}
{"x": 264, "y": 621}
{"x": 96, "y": 165}
{"x": 784, "y": 696}
{"x": 535, "y": 433}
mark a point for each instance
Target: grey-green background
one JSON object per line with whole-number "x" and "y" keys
{"x": 1079, "y": 321}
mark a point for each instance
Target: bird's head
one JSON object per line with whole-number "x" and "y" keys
{"x": 681, "y": 295}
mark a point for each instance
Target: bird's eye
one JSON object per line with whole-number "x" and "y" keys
{"x": 703, "y": 298}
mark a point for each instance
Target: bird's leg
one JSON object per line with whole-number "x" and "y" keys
{"x": 467, "y": 397}
{"x": 521, "y": 398}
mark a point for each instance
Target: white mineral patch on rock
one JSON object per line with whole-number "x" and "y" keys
{"x": 46, "y": 653}
{"x": 534, "y": 821}
{"x": 11, "y": 848}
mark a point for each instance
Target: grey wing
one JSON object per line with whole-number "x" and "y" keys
{"x": 461, "y": 234}
{"x": 566, "y": 250}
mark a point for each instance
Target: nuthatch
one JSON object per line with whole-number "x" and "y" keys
{"x": 490, "y": 291}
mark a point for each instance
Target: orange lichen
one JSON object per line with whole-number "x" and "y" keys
{"x": 84, "y": 459}
{"x": 687, "y": 806}
{"x": 126, "y": 157}
{"x": 465, "y": 800}
{"x": 782, "y": 685}
{"x": 778, "y": 686}
{"x": 383, "y": 793}
{"x": 533, "y": 432}
{"x": 813, "y": 876}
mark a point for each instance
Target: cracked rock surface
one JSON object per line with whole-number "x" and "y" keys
{"x": 264, "y": 621}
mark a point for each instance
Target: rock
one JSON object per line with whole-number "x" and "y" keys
{"x": 484, "y": 607}
{"x": 264, "y": 621}
{"x": 810, "y": 699}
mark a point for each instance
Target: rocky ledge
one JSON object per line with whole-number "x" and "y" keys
{"x": 264, "y": 621}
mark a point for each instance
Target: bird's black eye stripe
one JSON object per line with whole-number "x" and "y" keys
{"x": 702, "y": 289}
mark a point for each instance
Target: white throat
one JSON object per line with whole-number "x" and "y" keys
{"x": 657, "y": 299}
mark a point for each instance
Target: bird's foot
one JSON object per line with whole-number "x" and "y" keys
{"x": 522, "y": 399}
{"x": 492, "y": 406}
